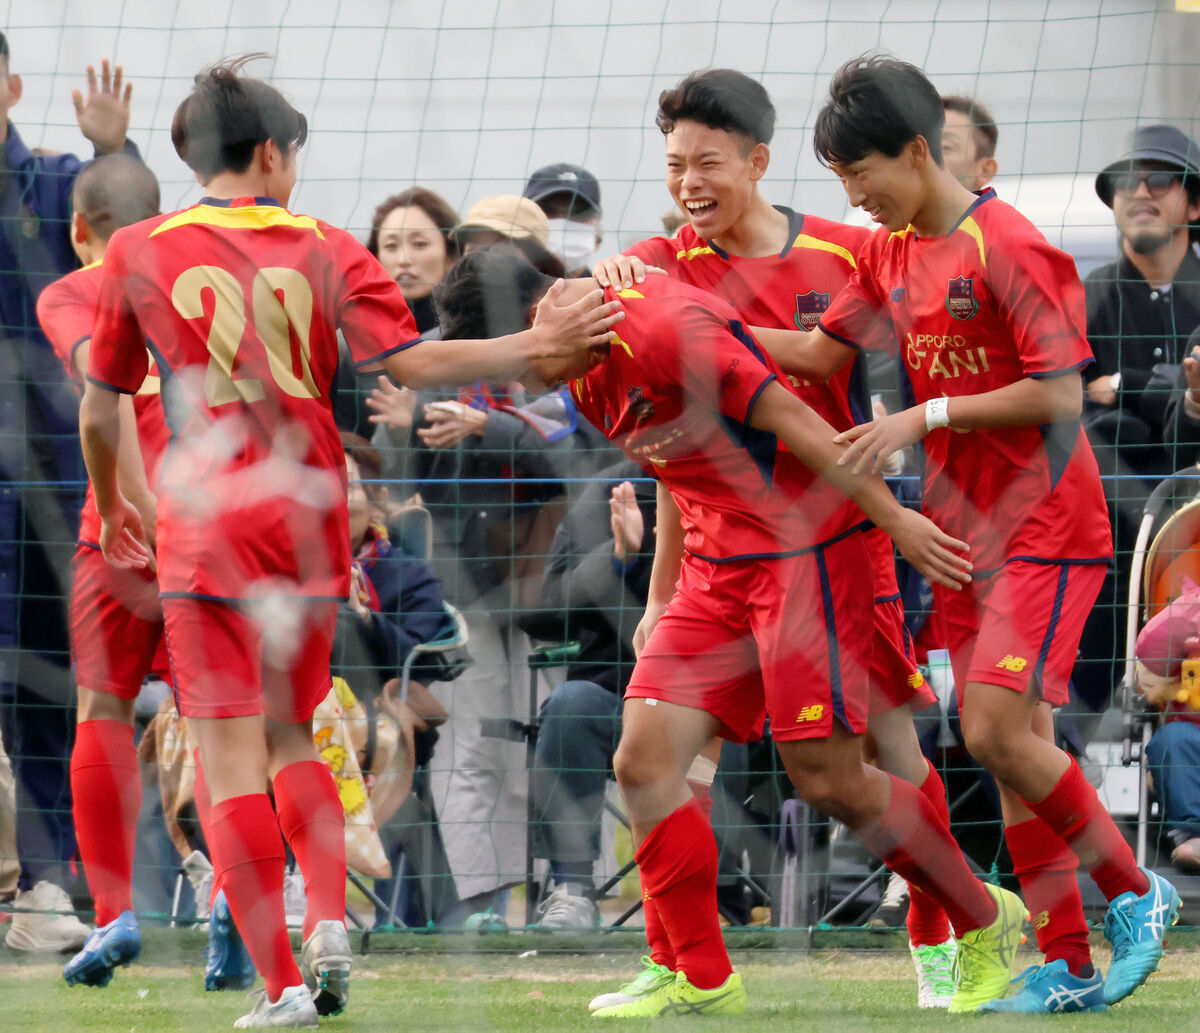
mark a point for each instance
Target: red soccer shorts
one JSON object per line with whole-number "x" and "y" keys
{"x": 235, "y": 660}
{"x": 895, "y": 679}
{"x": 116, "y": 624}
{"x": 1020, "y": 627}
{"x": 789, "y": 638}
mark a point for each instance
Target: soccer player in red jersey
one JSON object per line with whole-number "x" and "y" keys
{"x": 116, "y": 617}
{"x": 988, "y": 320}
{"x": 781, "y": 269}
{"x": 240, "y": 301}
{"x": 771, "y": 614}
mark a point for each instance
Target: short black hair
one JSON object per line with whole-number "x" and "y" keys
{"x": 488, "y": 293}
{"x": 877, "y": 103}
{"x": 113, "y": 191}
{"x": 719, "y": 98}
{"x": 227, "y": 115}
{"x": 983, "y": 126}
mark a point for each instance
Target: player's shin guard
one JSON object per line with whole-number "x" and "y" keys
{"x": 313, "y": 822}
{"x": 1074, "y": 811}
{"x": 912, "y": 841}
{"x": 106, "y": 790}
{"x": 1046, "y": 869}
{"x": 247, "y": 853}
{"x": 678, "y": 863}
{"x": 927, "y": 923}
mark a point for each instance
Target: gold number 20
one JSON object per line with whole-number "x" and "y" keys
{"x": 281, "y": 301}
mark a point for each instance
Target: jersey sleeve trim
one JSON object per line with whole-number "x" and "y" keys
{"x": 385, "y": 354}
{"x": 109, "y": 387}
{"x": 242, "y": 598}
{"x": 758, "y": 394}
{"x": 1048, "y": 374}
{"x": 71, "y": 353}
{"x": 839, "y": 338}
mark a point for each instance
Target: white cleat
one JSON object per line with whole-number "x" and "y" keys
{"x": 293, "y": 1010}
{"x": 325, "y": 965}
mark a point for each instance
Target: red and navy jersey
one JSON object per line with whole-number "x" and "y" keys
{"x": 987, "y": 305}
{"x": 787, "y": 291}
{"x": 676, "y": 393}
{"x": 66, "y": 310}
{"x": 240, "y": 303}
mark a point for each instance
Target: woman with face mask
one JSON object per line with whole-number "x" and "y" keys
{"x": 570, "y": 197}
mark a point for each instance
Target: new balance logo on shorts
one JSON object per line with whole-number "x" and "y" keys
{"x": 811, "y": 713}
{"x": 1016, "y": 664}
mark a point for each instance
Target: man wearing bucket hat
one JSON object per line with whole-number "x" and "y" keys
{"x": 1140, "y": 310}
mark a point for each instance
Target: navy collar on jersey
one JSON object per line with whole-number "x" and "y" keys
{"x": 239, "y": 202}
{"x": 795, "y": 221}
{"x": 981, "y": 197}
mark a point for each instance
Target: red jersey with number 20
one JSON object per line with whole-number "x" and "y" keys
{"x": 66, "y": 310}
{"x": 987, "y": 305}
{"x": 240, "y": 302}
{"x": 676, "y": 394}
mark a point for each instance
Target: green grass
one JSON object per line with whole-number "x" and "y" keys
{"x": 448, "y": 985}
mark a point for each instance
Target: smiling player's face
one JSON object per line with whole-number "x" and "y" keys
{"x": 712, "y": 175}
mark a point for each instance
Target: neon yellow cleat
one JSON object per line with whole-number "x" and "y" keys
{"x": 985, "y": 956}
{"x": 679, "y": 997}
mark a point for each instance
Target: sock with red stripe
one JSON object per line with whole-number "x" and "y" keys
{"x": 1074, "y": 811}
{"x": 1046, "y": 869}
{"x": 911, "y": 839}
{"x": 927, "y": 922}
{"x": 106, "y": 790}
{"x": 247, "y": 853}
{"x": 314, "y": 824}
{"x": 678, "y": 863}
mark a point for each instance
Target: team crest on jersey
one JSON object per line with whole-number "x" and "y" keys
{"x": 809, "y": 308}
{"x": 641, "y": 406}
{"x": 961, "y": 302}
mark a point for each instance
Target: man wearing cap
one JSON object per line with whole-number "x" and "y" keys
{"x": 1140, "y": 311}
{"x": 570, "y": 197}
{"x": 517, "y": 220}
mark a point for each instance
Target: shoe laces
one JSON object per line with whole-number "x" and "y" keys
{"x": 937, "y": 966}
{"x": 651, "y": 973}
{"x": 1118, "y": 927}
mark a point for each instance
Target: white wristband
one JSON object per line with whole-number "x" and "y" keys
{"x": 937, "y": 413}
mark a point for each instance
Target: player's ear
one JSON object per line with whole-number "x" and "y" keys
{"x": 987, "y": 170}
{"x": 918, "y": 152}
{"x": 15, "y": 88}
{"x": 759, "y": 158}
{"x": 79, "y": 228}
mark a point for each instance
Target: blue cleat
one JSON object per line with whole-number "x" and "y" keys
{"x": 1135, "y": 927}
{"x": 227, "y": 964}
{"x": 108, "y": 946}
{"x": 1051, "y": 989}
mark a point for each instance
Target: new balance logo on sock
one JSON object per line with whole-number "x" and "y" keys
{"x": 1041, "y": 920}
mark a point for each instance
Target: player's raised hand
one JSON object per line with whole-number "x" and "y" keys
{"x": 871, "y": 444}
{"x": 450, "y": 423}
{"x": 628, "y": 524}
{"x": 621, "y": 271}
{"x": 939, "y": 558}
{"x": 103, "y": 115}
{"x": 123, "y": 538}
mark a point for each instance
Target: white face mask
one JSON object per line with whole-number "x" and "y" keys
{"x": 573, "y": 242}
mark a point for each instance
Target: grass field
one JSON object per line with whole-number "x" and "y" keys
{"x": 436, "y": 988}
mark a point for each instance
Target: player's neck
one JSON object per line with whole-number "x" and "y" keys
{"x": 761, "y": 231}
{"x": 947, "y": 201}
{"x": 1159, "y": 267}
{"x": 225, "y": 186}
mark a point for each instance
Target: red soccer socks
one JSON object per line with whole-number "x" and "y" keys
{"x": 1073, "y": 810}
{"x": 678, "y": 863}
{"x": 106, "y": 790}
{"x": 927, "y": 922}
{"x": 247, "y": 853}
{"x": 1046, "y": 869}
{"x": 314, "y": 825}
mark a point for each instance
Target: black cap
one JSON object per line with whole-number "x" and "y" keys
{"x": 564, "y": 179}
{"x": 1160, "y": 143}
